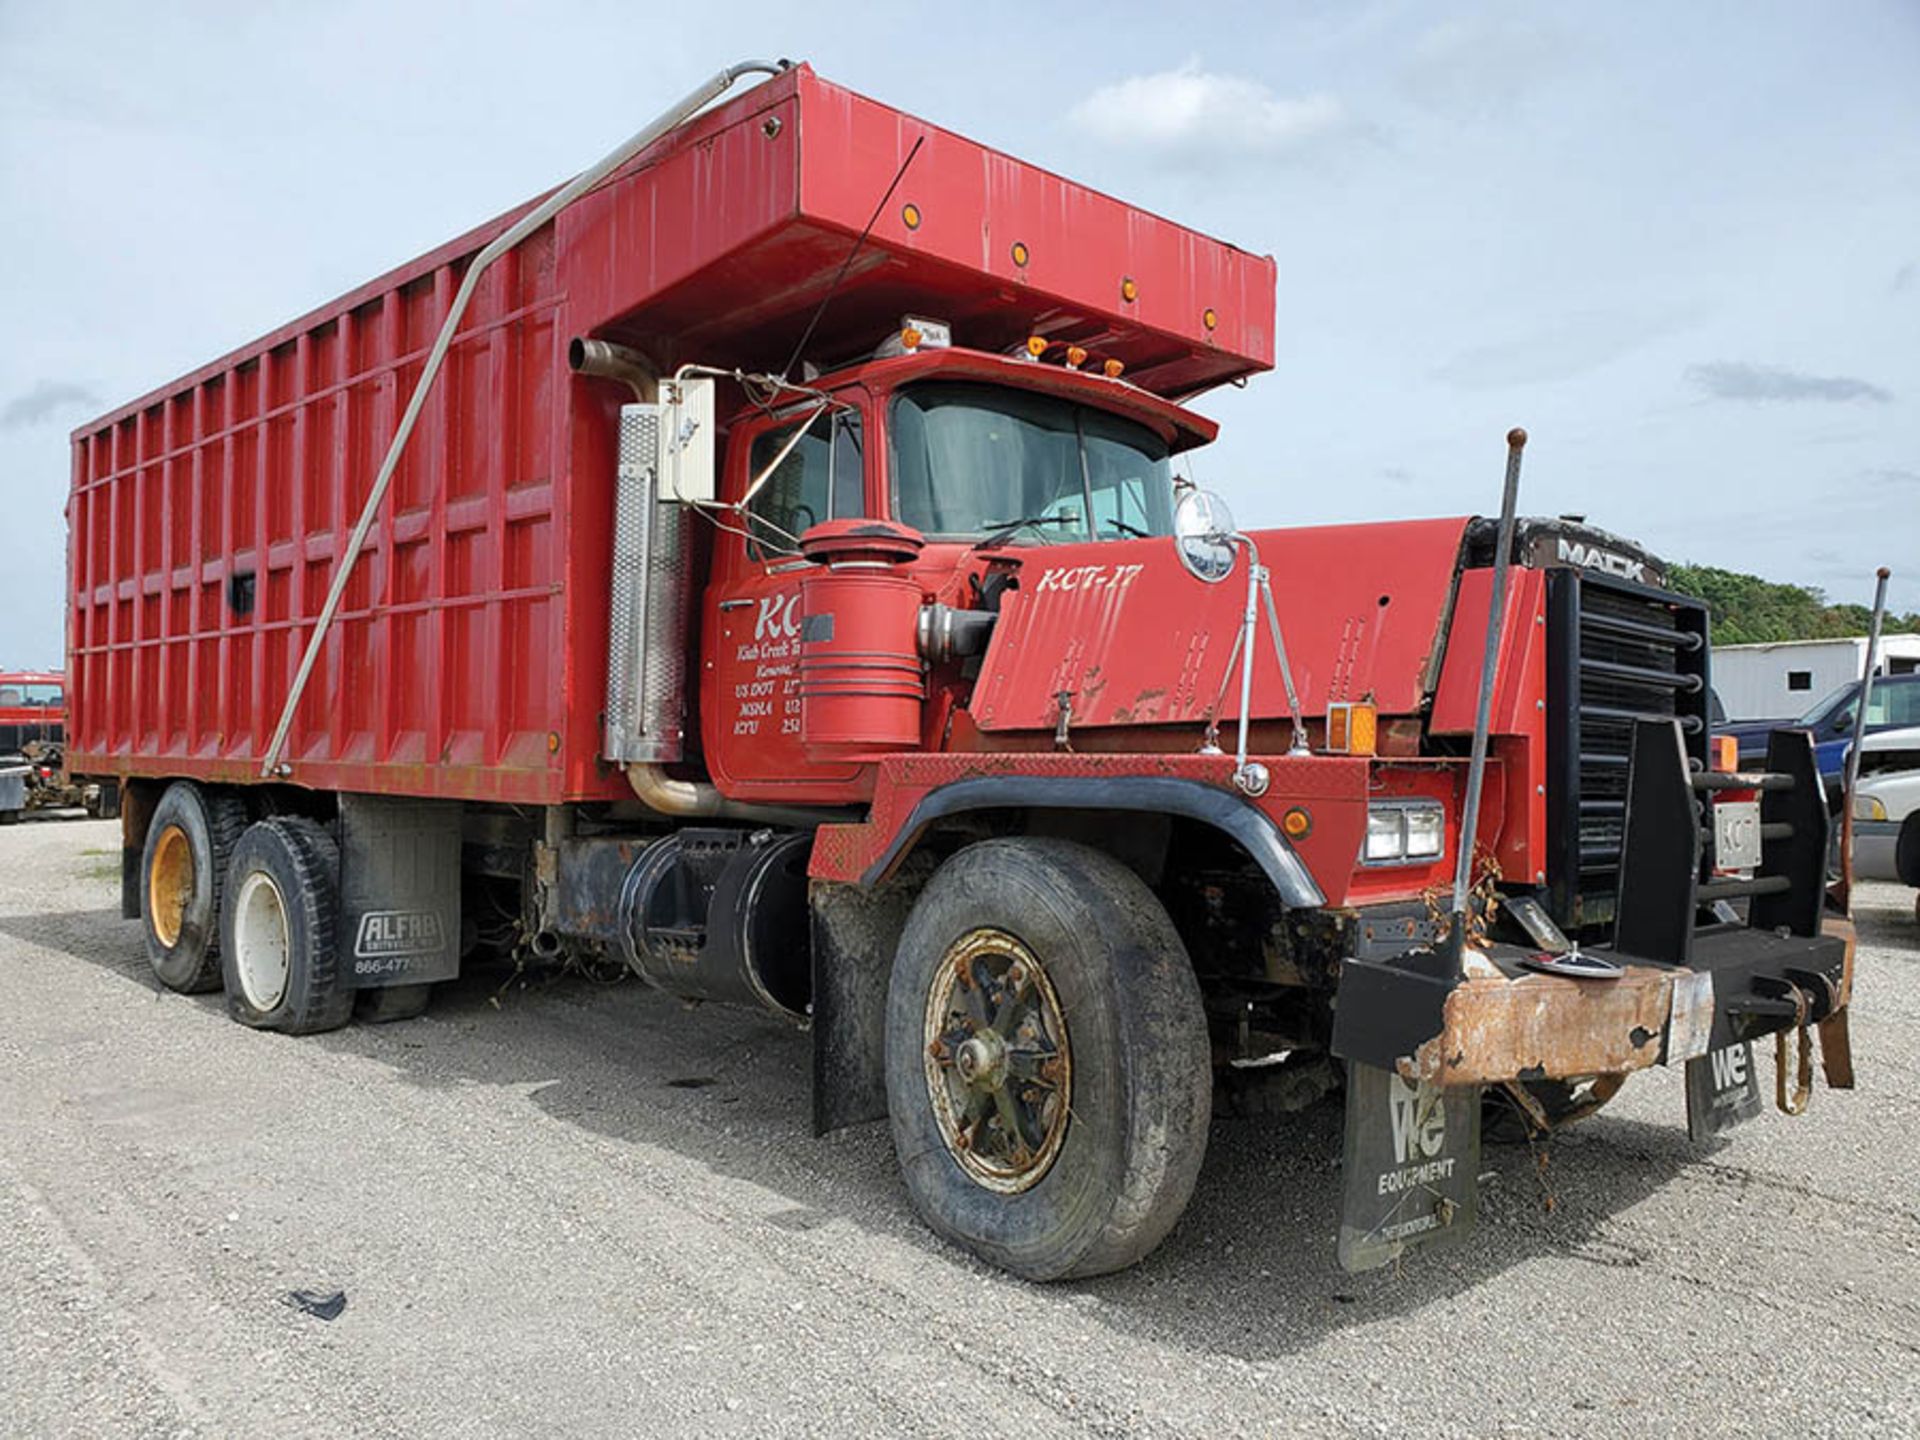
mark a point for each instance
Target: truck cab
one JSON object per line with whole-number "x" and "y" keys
{"x": 982, "y": 456}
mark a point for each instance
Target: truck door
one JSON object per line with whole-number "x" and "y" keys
{"x": 750, "y": 702}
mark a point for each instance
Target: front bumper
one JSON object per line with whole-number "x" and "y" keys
{"x": 1521, "y": 1025}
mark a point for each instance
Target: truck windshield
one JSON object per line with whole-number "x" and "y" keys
{"x": 970, "y": 461}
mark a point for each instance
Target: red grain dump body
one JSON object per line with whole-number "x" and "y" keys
{"x": 470, "y": 653}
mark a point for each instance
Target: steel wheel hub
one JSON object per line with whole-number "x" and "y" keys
{"x": 999, "y": 1074}
{"x": 170, "y": 885}
{"x": 261, "y": 941}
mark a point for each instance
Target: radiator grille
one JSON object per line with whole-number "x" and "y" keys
{"x": 1620, "y": 652}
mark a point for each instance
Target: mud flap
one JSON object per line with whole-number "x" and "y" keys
{"x": 1412, "y": 1164}
{"x": 399, "y": 890}
{"x": 1723, "y": 1089}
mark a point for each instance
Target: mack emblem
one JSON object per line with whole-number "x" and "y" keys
{"x": 1607, "y": 562}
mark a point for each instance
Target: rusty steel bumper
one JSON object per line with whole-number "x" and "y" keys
{"x": 1519, "y": 1025}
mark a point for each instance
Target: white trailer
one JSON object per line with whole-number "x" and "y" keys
{"x": 1779, "y": 681}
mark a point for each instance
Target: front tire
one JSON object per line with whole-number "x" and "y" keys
{"x": 280, "y": 930}
{"x": 1049, "y": 1079}
{"x": 183, "y": 868}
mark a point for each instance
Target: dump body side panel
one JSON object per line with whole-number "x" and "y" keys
{"x": 206, "y": 524}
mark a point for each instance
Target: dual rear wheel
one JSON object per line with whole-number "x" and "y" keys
{"x": 254, "y": 909}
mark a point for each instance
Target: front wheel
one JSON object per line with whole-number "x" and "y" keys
{"x": 1049, "y": 1079}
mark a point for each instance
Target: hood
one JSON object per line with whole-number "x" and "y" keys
{"x": 1136, "y": 640}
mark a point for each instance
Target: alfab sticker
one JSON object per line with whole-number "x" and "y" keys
{"x": 1108, "y": 579}
{"x": 389, "y": 934}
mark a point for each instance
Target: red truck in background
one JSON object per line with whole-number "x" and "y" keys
{"x": 33, "y": 723}
{"x": 764, "y": 561}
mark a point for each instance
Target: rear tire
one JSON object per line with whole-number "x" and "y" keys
{"x": 391, "y": 1002}
{"x": 280, "y": 930}
{"x": 183, "y": 868}
{"x": 1061, "y": 1135}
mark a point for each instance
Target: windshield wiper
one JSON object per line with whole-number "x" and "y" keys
{"x": 1006, "y": 529}
{"x": 1132, "y": 531}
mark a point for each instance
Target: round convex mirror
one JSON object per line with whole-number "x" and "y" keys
{"x": 1202, "y": 533}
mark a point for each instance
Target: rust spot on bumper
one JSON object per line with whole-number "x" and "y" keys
{"x": 1544, "y": 1026}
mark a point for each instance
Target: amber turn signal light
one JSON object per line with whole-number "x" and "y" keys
{"x": 1353, "y": 729}
{"x": 1297, "y": 823}
{"x": 1723, "y": 751}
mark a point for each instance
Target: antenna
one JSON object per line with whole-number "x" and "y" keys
{"x": 847, "y": 264}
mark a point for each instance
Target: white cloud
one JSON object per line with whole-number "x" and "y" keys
{"x": 1191, "y": 112}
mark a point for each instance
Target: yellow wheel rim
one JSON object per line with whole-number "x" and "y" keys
{"x": 170, "y": 885}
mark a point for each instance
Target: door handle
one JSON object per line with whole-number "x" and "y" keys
{"x": 740, "y": 604}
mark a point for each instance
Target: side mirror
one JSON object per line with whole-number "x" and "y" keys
{"x": 1203, "y": 535}
{"x": 686, "y": 440}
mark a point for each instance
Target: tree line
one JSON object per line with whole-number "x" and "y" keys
{"x": 1747, "y": 609}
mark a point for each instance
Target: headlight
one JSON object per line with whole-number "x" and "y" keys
{"x": 1868, "y": 807}
{"x": 1404, "y": 831}
{"x": 1426, "y": 832}
{"x": 1386, "y": 835}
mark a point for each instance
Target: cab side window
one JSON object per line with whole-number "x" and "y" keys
{"x": 1894, "y": 702}
{"x": 819, "y": 479}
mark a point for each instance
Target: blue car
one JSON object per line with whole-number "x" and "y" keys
{"x": 1895, "y": 702}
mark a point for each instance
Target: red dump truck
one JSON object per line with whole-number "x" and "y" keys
{"x": 764, "y": 563}
{"x": 33, "y": 722}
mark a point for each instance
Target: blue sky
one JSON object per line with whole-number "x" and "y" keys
{"x": 1680, "y": 244}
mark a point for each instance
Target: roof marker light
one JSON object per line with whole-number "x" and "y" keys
{"x": 1113, "y": 369}
{"x": 1076, "y": 357}
{"x": 910, "y": 215}
{"x": 1209, "y": 318}
{"x": 1129, "y": 291}
{"x": 1020, "y": 254}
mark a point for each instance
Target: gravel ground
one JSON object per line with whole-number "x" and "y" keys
{"x": 591, "y": 1210}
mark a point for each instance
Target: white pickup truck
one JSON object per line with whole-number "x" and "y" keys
{"x": 1886, "y": 809}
